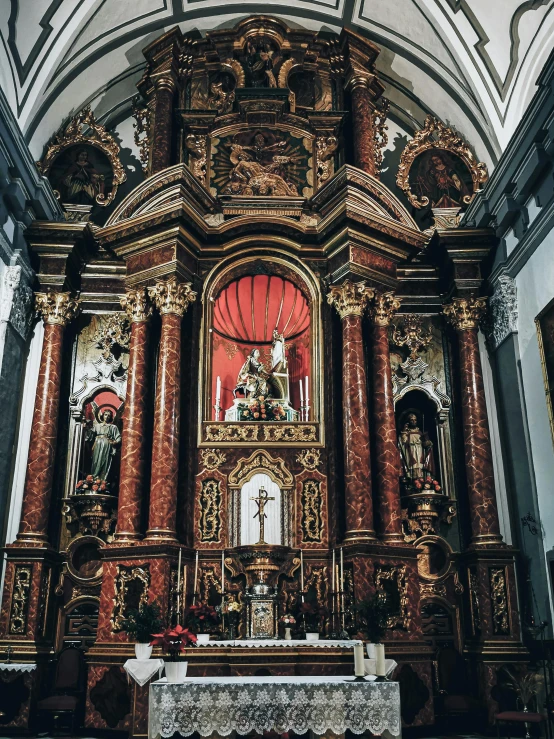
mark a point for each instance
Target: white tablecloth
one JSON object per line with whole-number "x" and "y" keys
{"x": 300, "y": 704}
{"x": 142, "y": 670}
{"x": 257, "y": 643}
{"x": 17, "y": 666}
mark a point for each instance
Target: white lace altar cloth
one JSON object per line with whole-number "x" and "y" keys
{"x": 18, "y": 666}
{"x": 299, "y": 704}
{"x": 257, "y": 643}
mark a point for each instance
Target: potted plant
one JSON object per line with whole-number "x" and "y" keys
{"x": 287, "y": 621}
{"x": 312, "y": 617}
{"x": 374, "y": 616}
{"x": 203, "y": 620}
{"x": 140, "y": 624}
{"x": 174, "y": 642}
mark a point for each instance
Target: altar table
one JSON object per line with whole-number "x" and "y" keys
{"x": 300, "y": 704}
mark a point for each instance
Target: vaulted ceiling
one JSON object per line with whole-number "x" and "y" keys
{"x": 472, "y": 63}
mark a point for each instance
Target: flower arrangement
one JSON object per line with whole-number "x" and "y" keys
{"x": 287, "y": 620}
{"x": 173, "y": 642}
{"x": 262, "y": 409}
{"x": 92, "y": 485}
{"x": 427, "y": 483}
{"x": 202, "y": 618}
{"x": 141, "y": 623}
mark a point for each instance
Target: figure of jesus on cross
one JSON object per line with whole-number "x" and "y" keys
{"x": 261, "y": 500}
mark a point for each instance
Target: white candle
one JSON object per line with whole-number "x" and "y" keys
{"x": 301, "y": 393}
{"x": 222, "y": 573}
{"x": 359, "y": 667}
{"x": 341, "y": 570}
{"x": 179, "y": 586}
{"x": 195, "y": 578}
{"x": 380, "y": 670}
{"x": 370, "y": 650}
{"x": 307, "y": 392}
{"x": 333, "y": 573}
{"x": 302, "y": 573}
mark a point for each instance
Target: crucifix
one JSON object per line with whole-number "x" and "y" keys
{"x": 261, "y": 500}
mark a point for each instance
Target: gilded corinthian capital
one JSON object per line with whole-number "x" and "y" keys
{"x": 136, "y": 304}
{"x": 350, "y": 298}
{"x": 465, "y": 313}
{"x": 384, "y": 307}
{"x": 170, "y": 296}
{"x": 56, "y": 308}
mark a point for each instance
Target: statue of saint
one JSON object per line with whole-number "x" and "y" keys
{"x": 278, "y": 358}
{"x": 252, "y": 377}
{"x": 105, "y": 436}
{"x": 416, "y": 450}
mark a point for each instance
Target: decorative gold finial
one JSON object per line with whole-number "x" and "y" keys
{"x": 411, "y": 334}
{"x": 170, "y": 296}
{"x": 136, "y": 304}
{"x": 384, "y": 307}
{"x": 56, "y": 308}
{"x": 350, "y": 298}
{"x": 465, "y": 313}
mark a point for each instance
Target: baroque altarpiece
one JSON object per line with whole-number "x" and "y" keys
{"x": 260, "y": 319}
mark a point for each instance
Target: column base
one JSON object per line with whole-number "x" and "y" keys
{"x": 487, "y": 540}
{"x": 31, "y": 540}
{"x": 360, "y": 536}
{"x": 396, "y": 540}
{"x": 126, "y": 537}
{"x": 161, "y": 535}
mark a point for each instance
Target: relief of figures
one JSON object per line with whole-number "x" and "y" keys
{"x": 260, "y": 163}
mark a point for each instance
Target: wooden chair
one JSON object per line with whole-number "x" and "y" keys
{"x": 67, "y": 699}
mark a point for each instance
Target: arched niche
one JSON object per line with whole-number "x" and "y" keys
{"x": 422, "y": 396}
{"x": 245, "y": 298}
{"x": 244, "y": 483}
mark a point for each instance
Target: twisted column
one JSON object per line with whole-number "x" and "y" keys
{"x": 56, "y": 309}
{"x": 465, "y": 314}
{"x": 362, "y": 124}
{"x": 163, "y": 123}
{"x": 387, "y": 459}
{"x": 350, "y": 300}
{"x": 131, "y": 477}
{"x": 172, "y": 300}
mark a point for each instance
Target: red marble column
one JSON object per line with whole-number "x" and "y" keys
{"x": 57, "y": 309}
{"x": 131, "y": 476}
{"x": 387, "y": 459}
{"x": 465, "y": 314}
{"x": 163, "y": 124}
{"x": 350, "y": 299}
{"x": 172, "y": 300}
{"x": 363, "y": 128}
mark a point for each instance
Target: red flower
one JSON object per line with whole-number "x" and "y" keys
{"x": 173, "y": 641}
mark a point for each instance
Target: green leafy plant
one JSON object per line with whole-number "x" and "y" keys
{"x": 374, "y": 615}
{"x": 141, "y": 623}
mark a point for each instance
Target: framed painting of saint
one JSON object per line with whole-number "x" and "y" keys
{"x": 438, "y": 170}
{"x": 545, "y": 335}
{"x": 82, "y": 162}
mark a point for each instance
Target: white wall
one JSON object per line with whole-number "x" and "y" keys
{"x": 535, "y": 286}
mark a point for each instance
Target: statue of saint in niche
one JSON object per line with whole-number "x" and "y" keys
{"x": 252, "y": 378}
{"x": 416, "y": 450}
{"x": 105, "y": 437}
